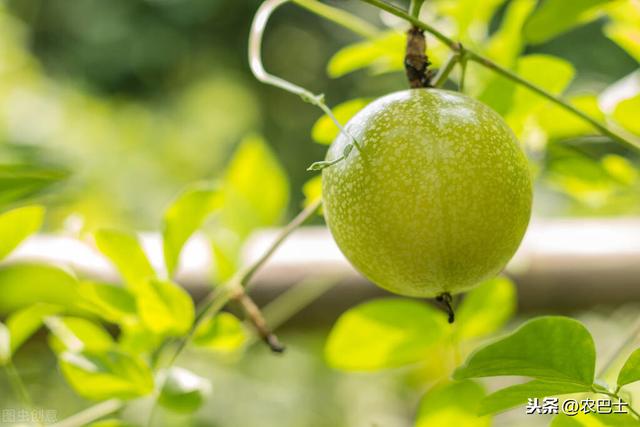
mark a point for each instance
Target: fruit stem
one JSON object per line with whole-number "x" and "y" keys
{"x": 446, "y": 299}
{"x": 444, "y": 71}
{"x": 416, "y": 62}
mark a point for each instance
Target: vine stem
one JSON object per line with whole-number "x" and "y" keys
{"x": 91, "y": 414}
{"x": 635, "y": 413}
{"x": 258, "y": 26}
{"x": 444, "y": 71}
{"x": 631, "y": 337}
{"x": 236, "y": 286}
{"x": 19, "y": 387}
{"x": 486, "y": 62}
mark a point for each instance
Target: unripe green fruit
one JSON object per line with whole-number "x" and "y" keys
{"x": 437, "y": 200}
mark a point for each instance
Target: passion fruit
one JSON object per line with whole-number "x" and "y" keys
{"x": 436, "y": 199}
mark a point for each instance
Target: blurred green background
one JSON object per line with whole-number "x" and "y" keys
{"x": 132, "y": 99}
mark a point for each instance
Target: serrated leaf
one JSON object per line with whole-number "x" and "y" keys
{"x": 384, "y": 53}
{"x": 486, "y": 309}
{"x": 5, "y": 344}
{"x": 125, "y": 252}
{"x": 555, "y": 17}
{"x": 452, "y": 404}
{"x": 24, "y": 284}
{"x": 108, "y": 375}
{"x": 165, "y": 307}
{"x": 223, "y": 333}
{"x": 550, "y": 348}
{"x": 183, "y": 391}
{"x": 184, "y": 216}
{"x": 22, "y": 324}
{"x": 630, "y": 371}
{"x": 384, "y": 333}
{"x": 519, "y": 394}
{"x": 112, "y": 303}
{"x": 324, "y": 130}
{"x": 77, "y": 334}
{"x": 627, "y": 114}
{"x": 18, "y": 224}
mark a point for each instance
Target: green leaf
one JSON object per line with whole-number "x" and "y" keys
{"x": 125, "y": 252}
{"x": 256, "y": 189}
{"x": 551, "y": 348}
{"x": 555, "y": 17}
{"x": 471, "y": 17}
{"x": 453, "y": 404}
{"x": 519, "y": 394}
{"x": 630, "y": 371}
{"x": 486, "y": 309}
{"x": 627, "y": 113}
{"x": 627, "y": 36}
{"x": 624, "y": 28}
{"x": 5, "y": 344}
{"x": 24, "y": 284}
{"x": 558, "y": 123}
{"x": 184, "y": 216}
{"x": 22, "y": 324}
{"x": 550, "y": 73}
{"x": 383, "y": 54}
{"x": 22, "y": 182}
{"x": 256, "y": 194}
{"x": 324, "y": 130}
{"x": 18, "y": 224}
{"x": 136, "y": 338}
{"x": 223, "y": 333}
{"x": 112, "y": 303}
{"x": 77, "y": 334}
{"x": 312, "y": 190}
{"x": 165, "y": 307}
{"x": 384, "y": 333}
{"x": 586, "y": 179}
{"x": 107, "y": 375}
{"x": 507, "y": 43}
{"x": 183, "y": 391}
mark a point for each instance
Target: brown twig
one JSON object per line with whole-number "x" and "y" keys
{"x": 255, "y": 317}
{"x": 416, "y": 62}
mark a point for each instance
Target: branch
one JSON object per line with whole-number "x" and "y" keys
{"x": 254, "y": 315}
{"x": 91, "y": 414}
{"x": 482, "y": 60}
